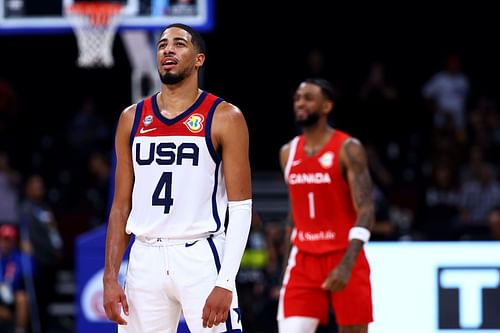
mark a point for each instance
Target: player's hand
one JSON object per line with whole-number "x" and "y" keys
{"x": 113, "y": 297}
{"x": 216, "y": 307}
{"x": 337, "y": 279}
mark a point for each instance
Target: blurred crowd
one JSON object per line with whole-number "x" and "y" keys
{"x": 442, "y": 183}
{"x": 438, "y": 181}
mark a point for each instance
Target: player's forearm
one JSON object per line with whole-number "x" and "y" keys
{"x": 117, "y": 241}
{"x": 366, "y": 216}
{"x": 21, "y": 310}
{"x": 366, "y": 219}
{"x": 240, "y": 215}
{"x": 351, "y": 253}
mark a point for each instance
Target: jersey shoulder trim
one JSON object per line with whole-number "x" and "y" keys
{"x": 137, "y": 120}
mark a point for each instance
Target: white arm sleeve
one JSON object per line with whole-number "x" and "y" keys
{"x": 240, "y": 216}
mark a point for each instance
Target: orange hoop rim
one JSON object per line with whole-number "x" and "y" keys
{"x": 98, "y": 12}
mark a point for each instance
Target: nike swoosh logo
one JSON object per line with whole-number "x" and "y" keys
{"x": 297, "y": 162}
{"x": 143, "y": 131}
{"x": 191, "y": 244}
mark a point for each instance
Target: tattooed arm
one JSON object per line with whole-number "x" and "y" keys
{"x": 355, "y": 169}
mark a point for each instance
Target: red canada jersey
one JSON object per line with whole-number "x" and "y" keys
{"x": 320, "y": 197}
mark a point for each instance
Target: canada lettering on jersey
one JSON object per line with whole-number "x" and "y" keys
{"x": 309, "y": 178}
{"x": 166, "y": 153}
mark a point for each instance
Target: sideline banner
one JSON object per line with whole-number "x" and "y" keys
{"x": 435, "y": 287}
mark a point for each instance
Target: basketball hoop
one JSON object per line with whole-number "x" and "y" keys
{"x": 95, "y": 25}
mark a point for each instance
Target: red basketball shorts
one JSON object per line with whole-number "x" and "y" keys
{"x": 302, "y": 295}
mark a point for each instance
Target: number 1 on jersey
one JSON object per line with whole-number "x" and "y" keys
{"x": 167, "y": 201}
{"x": 312, "y": 212}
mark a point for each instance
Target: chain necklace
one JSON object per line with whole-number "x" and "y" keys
{"x": 311, "y": 151}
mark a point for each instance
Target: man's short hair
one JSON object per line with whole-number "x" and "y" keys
{"x": 326, "y": 87}
{"x": 196, "y": 37}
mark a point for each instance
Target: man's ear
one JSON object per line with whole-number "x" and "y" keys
{"x": 327, "y": 106}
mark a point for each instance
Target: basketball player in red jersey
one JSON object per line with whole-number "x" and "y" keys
{"x": 182, "y": 163}
{"x": 332, "y": 211}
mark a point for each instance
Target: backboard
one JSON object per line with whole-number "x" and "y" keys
{"x": 47, "y": 16}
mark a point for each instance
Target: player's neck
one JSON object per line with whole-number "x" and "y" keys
{"x": 315, "y": 139}
{"x": 175, "y": 99}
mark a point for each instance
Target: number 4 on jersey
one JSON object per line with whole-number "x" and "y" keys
{"x": 167, "y": 200}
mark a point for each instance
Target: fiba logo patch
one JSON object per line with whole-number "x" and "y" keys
{"x": 194, "y": 123}
{"x": 148, "y": 120}
{"x": 469, "y": 298}
{"x": 326, "y": 160}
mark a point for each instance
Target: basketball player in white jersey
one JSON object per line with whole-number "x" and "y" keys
{"x": 182, "y": 162}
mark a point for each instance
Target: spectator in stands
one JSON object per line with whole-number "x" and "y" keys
{"x": 442, "y": 200}
{"x": 251, "y": 283}
{"x": 275, "y": 236}
{"x": 316, "y": 62}
{"x": 98, "y": 185}
{"x": 447, "y": 92}
{"x": 478, "y": 198}
{"x": 44, "y": 243}
{"x": 378, "y": 100}
{"x": 494, "y": 223}
{"x": 87, "y": 130}
{"x": 13, "y": 296}
{"x": 446, "y": 146}
{"x": 473, "y": 168}
{"x": 384, "y": 228}
{"x": 484, "y": 126}
{"x": 9, "y": 183}
{"x": 376, "y": 87}
{"x": 381, "y": 175}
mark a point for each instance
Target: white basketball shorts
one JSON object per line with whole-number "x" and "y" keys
{"x": 165, "y": 277}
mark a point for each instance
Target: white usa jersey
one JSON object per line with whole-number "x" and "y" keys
{"x": 179, "y": 189}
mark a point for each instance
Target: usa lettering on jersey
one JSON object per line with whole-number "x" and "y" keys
{"x": 167, "y": 153}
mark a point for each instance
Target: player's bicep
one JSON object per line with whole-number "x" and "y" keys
{"x": 234, "y": 140}
{"x": 283, "y": 156}
{"x": 358, "y": 175}
{"x": 124, "y": 166}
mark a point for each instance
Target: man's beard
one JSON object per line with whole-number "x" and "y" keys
{"x": 310, "y": 120}
{"x": 169, "y": 78}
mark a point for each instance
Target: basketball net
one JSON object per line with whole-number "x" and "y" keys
{"x": 95, "y": 25}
